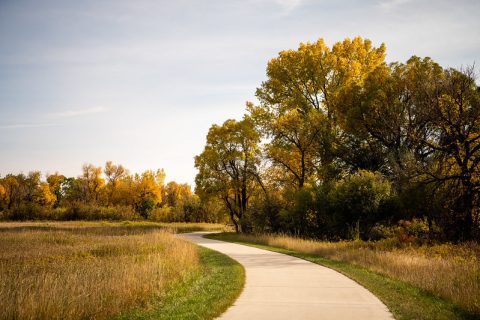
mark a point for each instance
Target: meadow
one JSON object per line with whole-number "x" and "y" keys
{"x": 449, "y": 271}
{"x": 88, "y": 270}
{"x": 118, "y": 227}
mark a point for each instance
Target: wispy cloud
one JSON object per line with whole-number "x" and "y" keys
{"x": 285, "y": 7}
{"x": 53, "y": 117}
{"x": 27, "y": 125}
{"x": 288, "y": 5}
{"x": 75, "y": 113}
{"x": 392, "y": 4}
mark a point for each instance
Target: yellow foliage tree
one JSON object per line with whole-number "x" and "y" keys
{"x": 13, "y": 192}
{"x": 55, "y": 182}
{"x": 114, "y": 173}
{"x": 302, "y": 99}
{"x": 44, "y": 195}
{"x": 148, "y": 190}
{"x": 91, "y": 182}
{"x": 176, "y": 194}
{"x": 3, "y": 195}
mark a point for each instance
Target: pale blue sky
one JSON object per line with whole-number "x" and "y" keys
{"x": 140, "y": 82}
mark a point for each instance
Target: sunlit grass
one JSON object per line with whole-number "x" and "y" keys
{"x": 117, "y": 227}
{"x": 87, "y": 270}
{"x": 205, "y": 295}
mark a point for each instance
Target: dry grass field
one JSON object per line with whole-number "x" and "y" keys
{"x": 77, "y": 270}
{"x": 449, "y": 271}
{"x": 119, "y": 227}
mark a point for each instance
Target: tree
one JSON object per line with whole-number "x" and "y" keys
{"x": 14, "y": 192}
{"x": 293, "y": 141}
{"x": 148, "y": 191}
{"x": 228, "y": 167}
{"x": 91, "y": 182}
{"x": 72, "y": 190}
{"x": 452, "y": 119}
{"x": 44, "y": 196}
{"x": 388, "y": 111}
{"x": 3, "y": 196}
{"x": 125, "y": 191}
{"x": 114, "y": 173}
{"x": 178, "y": 196}
{"x": 55, "y": 182}
{"x": 307, "y": 86}
{"x": 313, "y": 75}
{"x": 31, "y": 183}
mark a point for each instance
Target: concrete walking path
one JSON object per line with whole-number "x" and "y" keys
{"x": 279, "y": 287}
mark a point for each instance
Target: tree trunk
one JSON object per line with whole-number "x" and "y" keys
{"x": 467, "y": 211}
{"x": 232, "y": 212}
{"x": 234, "y": 223}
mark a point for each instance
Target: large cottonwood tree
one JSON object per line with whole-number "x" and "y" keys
{"x": 301, "y": 104}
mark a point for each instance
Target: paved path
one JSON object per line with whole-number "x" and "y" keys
{"x": 280, "y": 287}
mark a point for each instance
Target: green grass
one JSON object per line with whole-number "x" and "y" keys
{"x": 204, "y": 295}
{"x": 405, "y": 301}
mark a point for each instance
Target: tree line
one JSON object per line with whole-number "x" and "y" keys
{"x": 111, "y": 192}
{"x": 343, "y": 145}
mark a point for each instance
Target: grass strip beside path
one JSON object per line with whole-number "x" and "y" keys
{"x": 405, "y": 301}
{"x": 205, "y": 295}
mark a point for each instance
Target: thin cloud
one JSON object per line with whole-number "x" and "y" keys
{"x": 27, "y": 125}
{"x": 288, "y": 5}
{"x": 76, "y": 113}
{"x": 391, "y": 4}
{"x": 284, "y": 6}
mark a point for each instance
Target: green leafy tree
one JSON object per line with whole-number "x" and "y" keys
{"x": 356, "y": 199}
{"x": 228, "y": 167}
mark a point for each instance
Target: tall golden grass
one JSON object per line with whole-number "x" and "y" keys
{"x": 449, "y": 271}
{"x": 90, "y": 272}
{"x": 117, "y": 227}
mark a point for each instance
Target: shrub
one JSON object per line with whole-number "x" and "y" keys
{"x": 29, "y": 211}
{"x": 265, "y": 213}
{"x": 405, "y": 231}
{"x": 92, "y": 212}
{"x": 299, "y": 218}
{"x": 380, "y": 231}
{"x": 146, "y": 207}
{"x": 356, "y": 200}
{"x": 163, "y": 214}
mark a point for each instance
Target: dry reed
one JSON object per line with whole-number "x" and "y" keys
{"x": 120, "y": 227}
{"x": 61, "y": 273}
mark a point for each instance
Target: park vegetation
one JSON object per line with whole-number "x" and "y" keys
{"x": 340, "y": 145}
{"x": 92, "y": 271}
{"x": 343, "y": 145}
{"x": 112, "y": 270}
{"x": 109, "y": 193}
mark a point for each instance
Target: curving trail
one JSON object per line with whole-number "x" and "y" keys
{"x": 279, "y": 287}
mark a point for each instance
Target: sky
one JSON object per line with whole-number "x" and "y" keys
{"x": 140, "y": 82}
